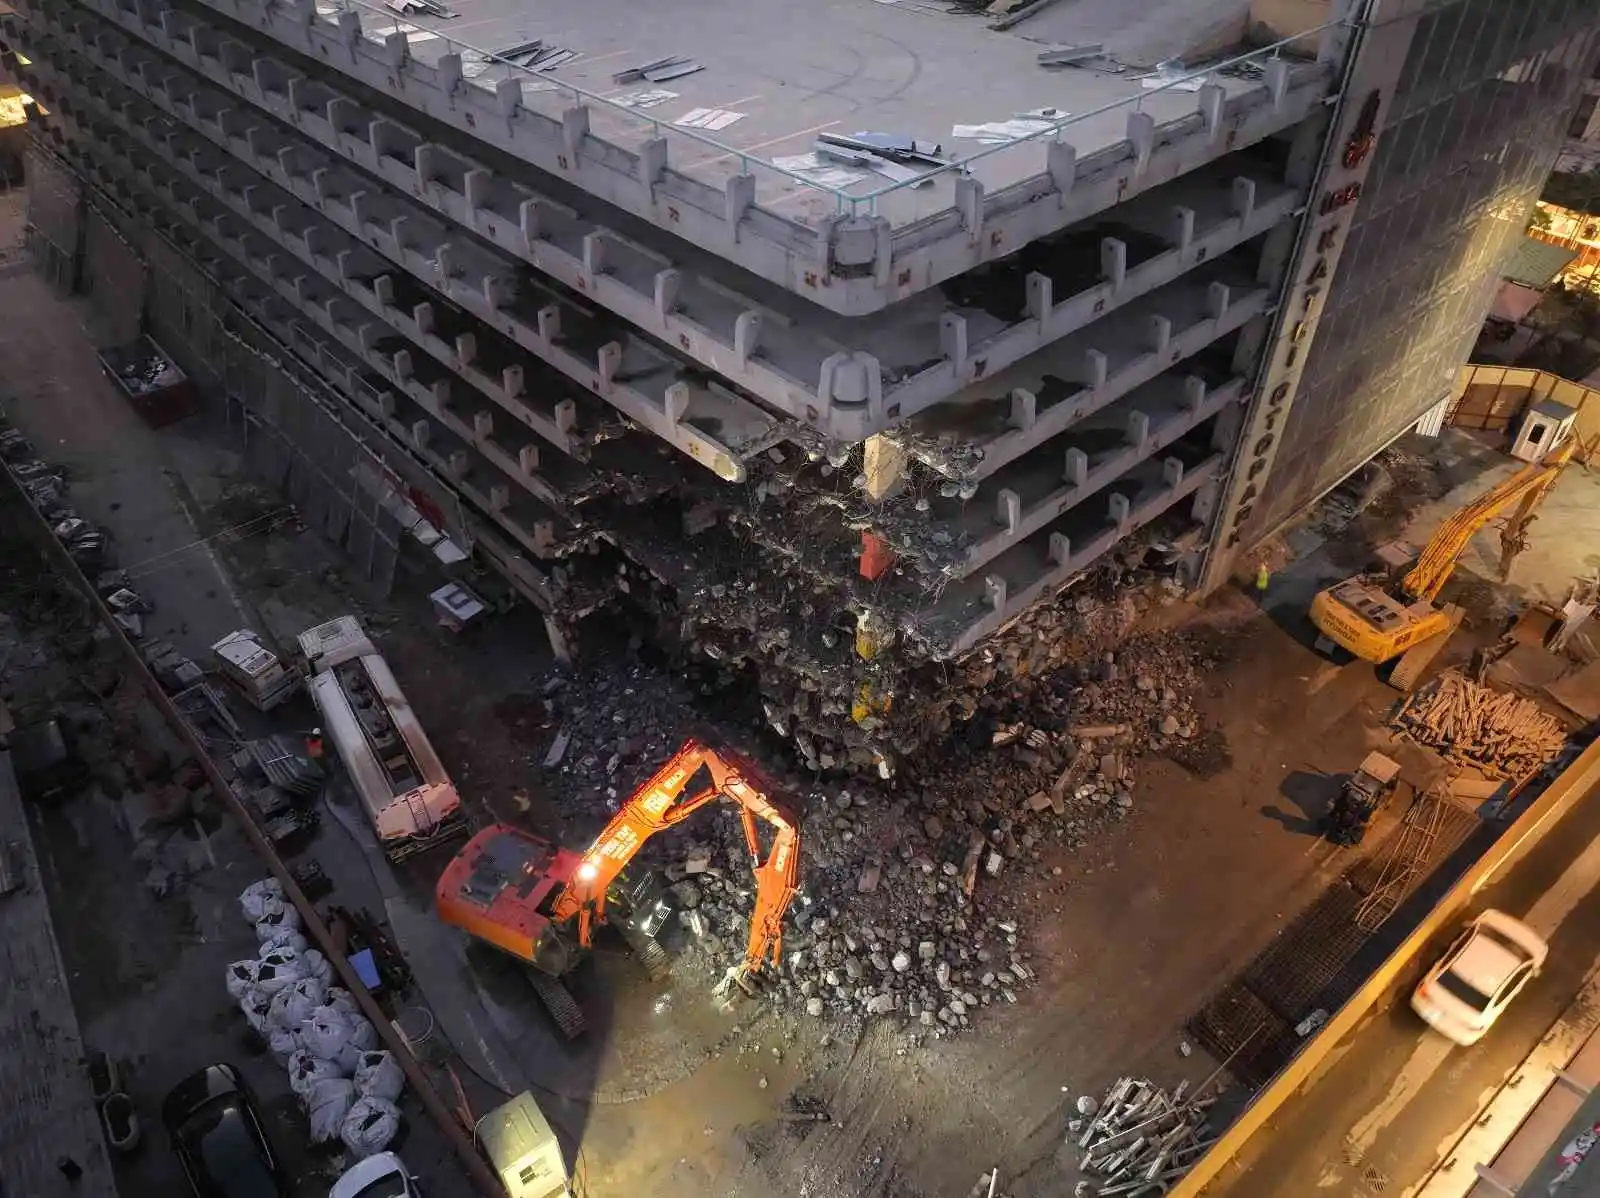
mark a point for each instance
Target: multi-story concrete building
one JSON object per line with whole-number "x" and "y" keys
{"x": 768, "y": 326}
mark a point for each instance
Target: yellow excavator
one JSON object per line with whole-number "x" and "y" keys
{"x": 1391, "y": 613}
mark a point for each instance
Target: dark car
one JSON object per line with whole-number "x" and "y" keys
{"x": 218, "y": 1138}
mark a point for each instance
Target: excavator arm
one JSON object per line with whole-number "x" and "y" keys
{"x": 1525, "y": 489}
{"x": 660, "y": 803}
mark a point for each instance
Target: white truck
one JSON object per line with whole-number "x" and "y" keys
{"x": 247, "y": 662}
{"x": 408, "y": 797}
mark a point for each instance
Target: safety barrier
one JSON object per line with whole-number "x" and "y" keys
{"x": 1527, "y": 830}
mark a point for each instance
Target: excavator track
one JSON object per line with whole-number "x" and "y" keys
{"x": 1416, "y": 659}
{"x": 648, "y": 951}
{"x": 558, "y": 1000}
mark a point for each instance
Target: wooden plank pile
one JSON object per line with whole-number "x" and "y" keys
{"x": 1142, "y": 1138}
{"x": 1504, "y": 735}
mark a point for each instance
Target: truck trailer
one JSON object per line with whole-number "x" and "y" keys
{"x": 408, "y": 797}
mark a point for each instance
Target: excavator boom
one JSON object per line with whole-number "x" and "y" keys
{"x": 660, "y": 803}
{"x": 1378, "y": 621}
{"x": 1525, "y": 489}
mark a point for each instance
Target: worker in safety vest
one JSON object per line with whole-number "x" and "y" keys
{"x": 314, "y": 745}
{"x": 1263, "y": 579}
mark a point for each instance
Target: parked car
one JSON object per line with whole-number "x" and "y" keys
{"x": 379, "y": 1176}
{"x": 218, "y": 1139}
{"x": 1465, "y": 991}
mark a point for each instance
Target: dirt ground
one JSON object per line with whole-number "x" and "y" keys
{"x": 674, "y": 1098}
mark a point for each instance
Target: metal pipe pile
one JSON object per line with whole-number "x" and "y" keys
{"x": 1143, "y": 1138}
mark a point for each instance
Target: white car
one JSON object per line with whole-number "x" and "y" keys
{"x": 380, "y": 1176}
{"x": 1490, "y": 961}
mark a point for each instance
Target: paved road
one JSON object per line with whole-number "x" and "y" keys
{"x": 1397, "y": 1093}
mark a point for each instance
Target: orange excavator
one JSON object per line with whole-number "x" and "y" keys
{"x": 542, "y": 903}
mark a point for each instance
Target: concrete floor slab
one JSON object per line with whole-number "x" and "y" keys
{"x": 795, "y": 71}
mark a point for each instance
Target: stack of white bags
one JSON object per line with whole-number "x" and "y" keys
{"x": 347, "y": 1085}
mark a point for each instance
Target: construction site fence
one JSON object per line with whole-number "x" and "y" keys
{"x": 1493, "y": 399}
{"x": 1302, "y": 1071}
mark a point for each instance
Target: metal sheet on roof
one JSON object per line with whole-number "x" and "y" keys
{"x": 1536, "y": 263}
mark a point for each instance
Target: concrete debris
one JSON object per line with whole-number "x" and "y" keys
{"x": 1087, "y": 1104}
{"x": 558, "y": 749}
{"x": 891, "y": 923}
{"x": 1143, "y": 1138}
{"x": 1504, "y": 735}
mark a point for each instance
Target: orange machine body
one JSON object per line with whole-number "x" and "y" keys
{"x": 542, "y": 903}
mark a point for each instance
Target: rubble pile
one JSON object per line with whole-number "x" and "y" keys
{"x": 899, "y": 912}
{"x": 1503, "y": 735}
{"x": 853, "y": 681}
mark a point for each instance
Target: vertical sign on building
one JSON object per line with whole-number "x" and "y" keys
{"x": 1339, "y": 182}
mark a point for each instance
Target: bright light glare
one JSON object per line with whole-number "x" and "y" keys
{"x": 588, "y": 871}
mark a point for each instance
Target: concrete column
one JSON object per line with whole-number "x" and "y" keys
{"x": 1076, "y": 468}
{"x": 884, "y": 465}
{"x": 677, "y": 397}
{"x": 1040, "y": 298}
{"x": 1024, "y": 410}
{"x": 1008, "y": 511}
{"x": 953, "y": 339}
{"x": 574, "y": 128}
{"x": 1118, "y": 510}
{"x": 1244, "y": 198}
{"x": 746, "y": 332}
{"x": 1061, "y": 160}
{"x": 1183, "y": 229}
{"x": 1142, "y": 136}
{"x": 667, "y": 284}
{"x": 1113, "y": 261}
{"x": 550, "y": 324}
{"x": 594, "y": 255}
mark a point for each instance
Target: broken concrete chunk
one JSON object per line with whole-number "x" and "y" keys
{"x": 558, "y": 749}
{"x": 1038, "y": 800}
{"x": 868, "y": 882}
{"x": 697, "y": 861}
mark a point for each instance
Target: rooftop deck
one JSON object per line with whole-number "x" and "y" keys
{"x": 790, "y": 73}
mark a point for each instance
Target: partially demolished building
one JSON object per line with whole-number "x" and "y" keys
{"x": 761, "y": 339}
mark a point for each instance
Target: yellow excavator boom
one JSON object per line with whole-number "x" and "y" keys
{"x": 1438, "y": 558}
{"x": 1377, "y": 621}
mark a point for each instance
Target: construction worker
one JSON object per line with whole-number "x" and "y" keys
{"x": 314, "y": 745}
{"x": 1263, "y": 579}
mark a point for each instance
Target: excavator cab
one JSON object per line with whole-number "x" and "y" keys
{"x": 501, "y": 889}
{"x": 543, "y": 904}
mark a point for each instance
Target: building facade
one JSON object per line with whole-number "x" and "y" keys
{"x": 844, "y": 413}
